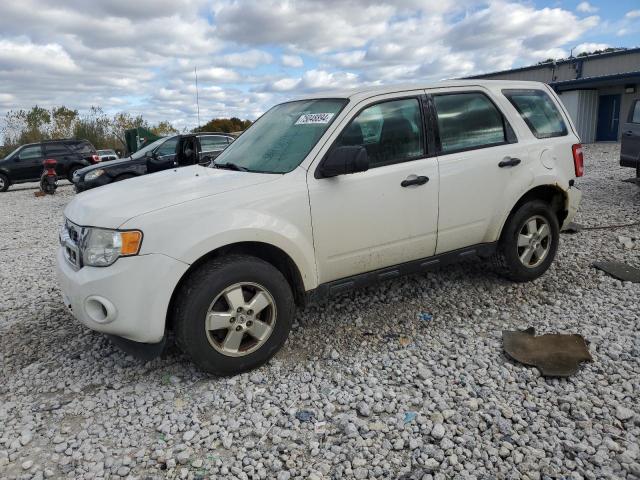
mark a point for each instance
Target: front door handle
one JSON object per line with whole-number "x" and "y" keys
{"x": 413, "y": 180}
{"x": 628, "y": 133}
{"x": 509, "y": 162}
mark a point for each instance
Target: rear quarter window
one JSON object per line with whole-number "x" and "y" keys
{"x": 538, "y": 111}
{"x": 83, "y": 148}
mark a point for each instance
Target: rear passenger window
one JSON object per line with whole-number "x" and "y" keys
{"x": 538, "y": 111}
{"x": 634, "y": 116}
{"x": 213, "y": 143}
{"x": 56, "y": 150}
{"x": 83, "y": 148}
{"x": 468, "y": 120}
{"x": 391, "y": 132}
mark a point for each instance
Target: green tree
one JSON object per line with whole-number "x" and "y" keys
{"x": 95, "y": 127}
{"x": 163, "y": 129}
{"x": 124, "y": 121}
{"x": 226, "y": 125}
{"x": 63, "y": 122}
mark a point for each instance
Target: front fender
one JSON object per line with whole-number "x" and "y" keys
{"x": 275, "y": 213}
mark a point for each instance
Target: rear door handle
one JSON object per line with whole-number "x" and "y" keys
{"x": 628, "y": 133}
{"x": 414, "y": 180}
{"x": 509, "y": 162}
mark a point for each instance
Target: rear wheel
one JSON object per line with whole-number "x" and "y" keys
{"x": 529, "y": 242}
{"x": 233, "y": 314}
{"x": 4, "y": 182}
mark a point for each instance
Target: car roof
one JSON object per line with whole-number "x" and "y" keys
{"x": 376, "y": 90}
{"x": 61, "y": 140}
{"x": 215, "y": 133}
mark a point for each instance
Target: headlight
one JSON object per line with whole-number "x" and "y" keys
{"x": 92, "y": 175}
{"x": 103, "y": 247}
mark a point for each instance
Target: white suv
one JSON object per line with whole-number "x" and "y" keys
{"x": 319, "y": 196}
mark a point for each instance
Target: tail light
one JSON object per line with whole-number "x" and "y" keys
{"x": 95, "y": 158}
{"x": 578, "y": 159}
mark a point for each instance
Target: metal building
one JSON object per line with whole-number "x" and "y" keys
{"x": 598, "y": 90}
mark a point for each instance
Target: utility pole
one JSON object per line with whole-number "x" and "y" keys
{"x": 197, "y": 96}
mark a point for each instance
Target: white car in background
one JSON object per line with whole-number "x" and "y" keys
{"x": 319, "y": 196}
{"x": 107, "y": 155}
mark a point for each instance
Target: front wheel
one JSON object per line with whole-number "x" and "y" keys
{"x": 529, "y": 242}
{"x": 233, "y": 314}
{"x": 71, "y": 171}
{"x": 4, "y": 182}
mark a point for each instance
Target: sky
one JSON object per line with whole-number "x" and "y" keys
{"x": 139, "y": 56}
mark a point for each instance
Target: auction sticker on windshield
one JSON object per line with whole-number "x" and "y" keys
{"x": 314, "y": 118}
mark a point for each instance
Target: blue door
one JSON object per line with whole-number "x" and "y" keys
{"x": 608, "y": 118}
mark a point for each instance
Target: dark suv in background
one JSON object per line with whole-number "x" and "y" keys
{"x": 24, "y": 164}
{"x": 165, "y": 153}
{"x": 630, "y": 145}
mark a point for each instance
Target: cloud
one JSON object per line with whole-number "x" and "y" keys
{"x": 294, "y": 61}
{"x": 140, "y": 56}
{"x": 247, "y": 59}
{"x": 218, "y": 74}
{"x": 589, "y": 47}
{"x": 23, "y": 55}
{"x": 586, "y": 7}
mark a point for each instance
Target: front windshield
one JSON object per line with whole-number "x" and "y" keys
{"x": 280, "y": 140}
{"x": 148, "y": 148}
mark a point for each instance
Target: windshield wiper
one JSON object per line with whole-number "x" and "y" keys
{"x": 230, "y": 166}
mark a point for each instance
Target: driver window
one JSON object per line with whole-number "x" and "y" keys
{"x": 391, "y": 132}
{"x": 168, "y": 147}
{"x": 30, "y": 152}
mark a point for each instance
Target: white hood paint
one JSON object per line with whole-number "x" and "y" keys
{"x": 112, "y": 205}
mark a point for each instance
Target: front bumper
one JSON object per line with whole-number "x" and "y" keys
{"x": 574, "y": 195}
{"x": 129, "y": 299}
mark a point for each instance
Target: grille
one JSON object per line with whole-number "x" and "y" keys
{"x": 71, "y": 237}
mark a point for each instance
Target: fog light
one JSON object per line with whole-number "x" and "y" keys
{"x": 99, "y": 309}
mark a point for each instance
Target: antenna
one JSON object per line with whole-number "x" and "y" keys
{"x": 197, "y": 96}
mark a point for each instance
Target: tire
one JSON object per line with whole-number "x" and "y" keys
{"x": 4, "y": 182}
{"x": 72, "y": 170}
{"x": 223, "y": 290}
{"x": 523, "y": 256}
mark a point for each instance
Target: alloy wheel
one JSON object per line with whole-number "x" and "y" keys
{"x": 240, "y": 319}
{"x": 534, "y": 241}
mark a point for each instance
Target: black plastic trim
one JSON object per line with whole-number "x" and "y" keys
{"x": 325, "y": 290}
{"x": 141, "y": 351}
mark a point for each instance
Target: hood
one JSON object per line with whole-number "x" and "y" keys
{"x": 112, "y": 205}
{"x": 112, "y": 163}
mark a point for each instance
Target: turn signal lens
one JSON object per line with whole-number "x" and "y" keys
{"x": 578, "y": 159}
{"x": 131, "y": 242}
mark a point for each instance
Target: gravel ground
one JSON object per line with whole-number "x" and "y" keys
{"x": 389, "y": 394}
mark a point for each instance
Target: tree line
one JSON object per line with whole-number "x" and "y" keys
{"x": 102, "y": 130}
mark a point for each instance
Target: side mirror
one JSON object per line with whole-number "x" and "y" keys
{"x": 344, "y": 160}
